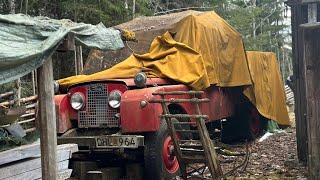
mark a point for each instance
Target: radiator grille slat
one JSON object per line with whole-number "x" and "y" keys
{"x": 97, "y": 112}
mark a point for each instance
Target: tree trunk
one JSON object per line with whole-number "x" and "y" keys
{"x": 12, "y": 6}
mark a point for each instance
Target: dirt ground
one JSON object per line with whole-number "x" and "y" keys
{"x": 273, "y": 158}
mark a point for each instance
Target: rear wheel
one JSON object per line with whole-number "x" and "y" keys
{"x": 159, "y": 158}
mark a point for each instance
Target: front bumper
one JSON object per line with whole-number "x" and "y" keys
{"x": 92, "y": 142}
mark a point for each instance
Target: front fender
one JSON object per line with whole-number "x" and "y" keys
{"x": 135, "y": 118}
{"x": 63, "y": 113}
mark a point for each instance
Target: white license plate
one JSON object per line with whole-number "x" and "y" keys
{"x": 117, "y": 142}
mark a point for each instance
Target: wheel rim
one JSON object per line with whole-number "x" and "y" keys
{"x": 170, "y": 160}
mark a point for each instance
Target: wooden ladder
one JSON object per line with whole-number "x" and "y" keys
{"x": 190, "y": 153}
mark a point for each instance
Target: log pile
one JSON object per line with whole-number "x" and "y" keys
{"x": 24, "y": 162}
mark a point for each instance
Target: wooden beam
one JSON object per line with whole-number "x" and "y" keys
{"x": 47, "y": 121}
{"x": 33, "y": 151}
{"x": 299, "y": 16}
{"x": 312, "y": 73}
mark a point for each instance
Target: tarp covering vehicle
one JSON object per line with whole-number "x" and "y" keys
{"x": 201, "y": 50}
{"x": 267, "y": 92}
{"x": 219, "y": 45}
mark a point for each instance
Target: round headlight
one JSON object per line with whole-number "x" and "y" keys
{"x": 140, "y": 79}
{"x": 114, "y": 99}
{"x": 77, "y": 101}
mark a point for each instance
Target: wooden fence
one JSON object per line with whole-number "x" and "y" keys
{"x": 28, "y": 119}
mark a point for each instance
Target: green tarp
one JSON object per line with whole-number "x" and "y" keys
{"x": 26, "y": 42}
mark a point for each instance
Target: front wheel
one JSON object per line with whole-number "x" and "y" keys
{"x": 159, "y": 158}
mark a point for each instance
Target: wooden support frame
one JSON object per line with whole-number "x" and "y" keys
{"x": 47, "y": 121}
{"x": 311, "y": 44}
{"x": 302, "y": 11}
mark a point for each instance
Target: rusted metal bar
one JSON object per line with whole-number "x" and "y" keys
{"x": 192, "y": 100}
{"x": 184, "y": 116}
{"x": 179, "y": 93}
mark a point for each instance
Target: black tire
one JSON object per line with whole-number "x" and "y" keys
{"x": 155, "y": 168}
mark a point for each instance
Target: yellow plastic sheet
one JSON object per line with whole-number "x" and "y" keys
{"x": 167, "y": 59}
{"x": 220, "y": 45}
{"x": 267, "y": 92}
{"x": 204, "y": 50}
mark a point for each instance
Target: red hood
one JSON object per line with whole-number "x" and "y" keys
{"x": 150, "y": 81}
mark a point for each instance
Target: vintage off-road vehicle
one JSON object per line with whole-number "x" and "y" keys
{"x": 110, "y": 114}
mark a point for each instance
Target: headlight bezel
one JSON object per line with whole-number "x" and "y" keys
{"x": 80, "y": 97}
{"x": 114, "y": 99}
{"x": 140, "y": 80}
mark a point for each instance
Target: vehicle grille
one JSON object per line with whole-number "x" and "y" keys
{"x": 97, "y": 112}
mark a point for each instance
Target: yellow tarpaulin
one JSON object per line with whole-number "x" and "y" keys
{"x": 205, "y": 50}
{"x": 167, "y": 59}
{"x": 219, "y": 44}
{"x": 267, "y": 92}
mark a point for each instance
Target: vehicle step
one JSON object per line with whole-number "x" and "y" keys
{"x": 198, "y": 146}
{"x": 190, "y": 141}
{"x": 184, "y": 123}
{"x": 191, "y": 100}
{"x": 187, "y": 131}
{"x": 178, "y": 93}
{"x": 183, "y": 116}
{"x": 190, "y": 151}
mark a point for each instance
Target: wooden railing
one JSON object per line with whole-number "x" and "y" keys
{"x": 28, "y": 119}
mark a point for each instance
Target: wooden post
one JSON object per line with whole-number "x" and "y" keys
{"x": 34, "y": 86}
{"x": 47, "y": 121}
{"x": 299, "y": 16}
{"x": 312, "y": 72}
{"x": 79, "y": 59}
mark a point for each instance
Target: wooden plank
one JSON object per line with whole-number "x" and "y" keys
{"x": 299, "y": 16}
{"x": 6, "y": 94}
{"x": 36, "y": 173}
{"x": 22, "y": 100}
{"x": 31, "y": 151}
{"x": 47, "y": 121}
{"x": 65, "y": 174}
{"x": 30, "y": 130}
{"x": 26, "y": 165}
{"x": 27, "y": 151}
{"x": 209, "y": 149}
{"x": 312, "y": 69}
